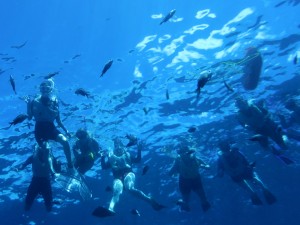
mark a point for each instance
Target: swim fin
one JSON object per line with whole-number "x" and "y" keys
{"x": 156, "y": 206}
{"x": 103, "y": 212}
{"x": 285, "y": 159}
{"x": 270, "y": 198}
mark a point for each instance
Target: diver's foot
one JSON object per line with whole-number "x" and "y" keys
{"x": 206, "y": 206}
{"x": 156, "y": 206}
{"x": 256, "y": 200}
{"x": 270, "y": 198}
{"x": 183, "y": 205}
{"x": 103, "y": 212}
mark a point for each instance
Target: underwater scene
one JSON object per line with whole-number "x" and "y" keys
{"x": 138, "y": 112}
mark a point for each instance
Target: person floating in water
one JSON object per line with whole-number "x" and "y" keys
{"x": 260, "y": 121}
{"x": 42, "y": 169}
{"x": 187, "y": 166}
{"x": 45, "y": 110}
{"x": 232, "y": 162}
{"x": 252, "y": 68}
{"x": 86, "y": 150}
{"x": 120, "y": 161}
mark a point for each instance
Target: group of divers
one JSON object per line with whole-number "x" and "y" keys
{"x": 44, "y": 108}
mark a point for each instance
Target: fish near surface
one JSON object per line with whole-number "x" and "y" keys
{"x": 168, "y": 17}
{"x": 106, "y": 67}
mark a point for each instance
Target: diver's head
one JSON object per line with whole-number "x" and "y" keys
{"x": 291, "y": 104}
{"x": 241, "y": 103}
{"x": 46, "y": 87}
{"x": 81, "y": 134}
{"x": 225, "y": 145}
{"x": 118, "y": 147}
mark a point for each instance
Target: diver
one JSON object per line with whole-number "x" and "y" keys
{"x": 43, "y": 166}
{"x": 120, "y": 161}
{"x": 187, "y": 166}
{"x": 86, "y": 150}
{"x": 256, "y": 117}
{"x": 232, "y": 162}
{"x": 45, "y": 110}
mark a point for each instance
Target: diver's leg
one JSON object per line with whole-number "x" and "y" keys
{"x": 117, "y": 191}
{"x": 32, "y": 192}
{"x": 254, "y": 197}
{"x": 201, "y": 193}
{"x": 129, "y": 185}
{"x": 270, "y": 198}
{"x": 46, "y": 192}
{"x": 64, "y": 142}
{"x": 185, "y": 188}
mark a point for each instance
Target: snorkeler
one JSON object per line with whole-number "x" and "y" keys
{"x": 187, "y": 166}
{"x": 86, "y": 150}
{"x": 120, "y": 161}
{"x": 45, "y": 110}
{"x": 232, "y": 162}
{"x": 42, "y": 169}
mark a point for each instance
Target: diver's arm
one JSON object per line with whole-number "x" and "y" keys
{"x": 26, "y": 163}
{"x": 29, "y": 109}
{"x": 105, "y": 164}
{"x": 138, "y": 157}
{"x": 175, "y": 168}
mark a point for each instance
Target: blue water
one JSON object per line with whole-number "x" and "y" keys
{"x": 77, "y": 38}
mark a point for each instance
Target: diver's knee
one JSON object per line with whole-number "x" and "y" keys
{"x": 118, "y": 186}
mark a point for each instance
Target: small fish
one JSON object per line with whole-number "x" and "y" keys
{"x": 146, "y": 110}
{"x": 295, "y": 59}
{"x": 50, "y": 75}
{"x": 106, "y": 67}
{"x": 19, "y": 46}
{"x": 145, "y": 170}
{"x": 19, "y": 119}
{"x": 108, "y": 189}
{"x": 81, "y": 91}
{"x": 192, "y": 129}
{"x": 13, "y": 84}
{"x": 257, "y": 137}
{"x": 229, "y": 88}
{"x": 76, "y": 56}
{"x": 167, "y": 95}
{"x": 167, "y": 17}
{"x": 135, "y": 212}
{"x": 131, "y": 51}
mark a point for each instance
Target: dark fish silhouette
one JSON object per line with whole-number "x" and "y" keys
{"x": 145, "y": 170}
{"x": 295, "y": 59}
{"x": 19, "y": 46}
{"x": 229, "y": 88}
{"x": 19, "y": 119}
{"x": 167, "y": 95}
{"x": 81, "y": 91}
{"x": 106, "y": 67}
{"x": 50, "y": 75}
{"x": 76, "y": 56}
{"x": 167, "y": 17}
{"x": 13, "y": 84}
{"x": 135, "y": 212}
{"x": 192, "y": 129}
{"x": 102, "y": 212}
